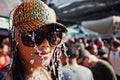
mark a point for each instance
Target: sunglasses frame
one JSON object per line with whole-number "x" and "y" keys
{"x": 36, "y": 37}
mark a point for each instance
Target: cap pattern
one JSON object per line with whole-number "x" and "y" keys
{"x": 30, "y": 16}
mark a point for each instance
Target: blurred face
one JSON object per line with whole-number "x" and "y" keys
{"x": 5, "y": 49}
{"x": 100, "y": 44}
{"x": 94, "y": 50}
{"x": 36, "y": 48}
{"x": 63, "y": 59}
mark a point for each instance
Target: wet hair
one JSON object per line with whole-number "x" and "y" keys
{"x": 17, "y": 68}
{"x": 72, "y": 50}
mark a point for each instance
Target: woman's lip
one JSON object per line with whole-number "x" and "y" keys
{"x": 45, "y": 55}
{"x": 41, "y": 54}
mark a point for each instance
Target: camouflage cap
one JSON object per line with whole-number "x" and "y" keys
{"x": 30, "y": 16}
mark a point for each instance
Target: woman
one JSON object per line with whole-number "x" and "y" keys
{"x": 35, "y": 35}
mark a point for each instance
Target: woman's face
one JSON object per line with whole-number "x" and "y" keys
{"x": 38, "y": 55}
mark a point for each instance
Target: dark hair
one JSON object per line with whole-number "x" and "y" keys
{"x": 116, "y": 43}
{"x": 90, "y": 47}
{"x": 72, "y": 50}
{"x": 1, "y": 46}
{"x": 17, "y": 68}
{"x": 96, "y": 40}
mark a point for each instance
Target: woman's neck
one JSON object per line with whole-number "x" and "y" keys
{"x": 38, "y": 74}
{"x": 28, "y": 68}
{"x": 33, "y": 72}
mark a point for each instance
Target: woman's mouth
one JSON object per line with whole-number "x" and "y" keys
{"x": 44, "y": 51}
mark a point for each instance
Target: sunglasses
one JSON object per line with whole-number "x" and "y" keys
{"x": 33, "y": 38}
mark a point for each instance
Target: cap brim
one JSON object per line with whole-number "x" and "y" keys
{"x": 55, "y": 25}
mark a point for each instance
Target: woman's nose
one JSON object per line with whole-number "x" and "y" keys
{"x": 44, "y": 43}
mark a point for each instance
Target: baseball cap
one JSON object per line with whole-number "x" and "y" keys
{"x": 31, "y": 15}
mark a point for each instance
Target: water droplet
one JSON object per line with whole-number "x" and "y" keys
{"x": 32, "y": 61}
{"x": 39, "y": 54}
{"x": 31, "y": 69}
{"x": 36, "y": 48}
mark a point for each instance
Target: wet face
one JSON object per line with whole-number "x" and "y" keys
{"x": 37, "y": 49}
{"x": 36, "y": 55}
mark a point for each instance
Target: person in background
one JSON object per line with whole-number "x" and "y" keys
{"x": 6, "y": 49}
{"x": 92, "y": 48}
{"x": 114, "y": 56}
{"x": 4, "y": 58}
{"x": 74, "y": 71}
{"x": 63, "y": 57}
{"x": 35, "y": 35}
{"x": 101, "y": 69}
{"x": 6, "y": 45}
{"x": 102, "y": 49}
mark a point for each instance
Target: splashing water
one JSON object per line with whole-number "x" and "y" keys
{"x": 39, "y": 54}
{"x": 36, "y": 48}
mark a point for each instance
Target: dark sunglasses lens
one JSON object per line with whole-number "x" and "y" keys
{"x": 26, "y": 40}
{"x": 54, "y": 38}
{"x": 32, "y": 41}
{"x": 39, "y": 39}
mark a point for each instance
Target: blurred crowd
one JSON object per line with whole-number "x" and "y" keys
{"x": 98, "y": 59}
{"x": 101, "y": 56}
{"x": 36, "y": 49}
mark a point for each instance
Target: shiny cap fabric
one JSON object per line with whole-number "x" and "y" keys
{"x": 31, "y": 15}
